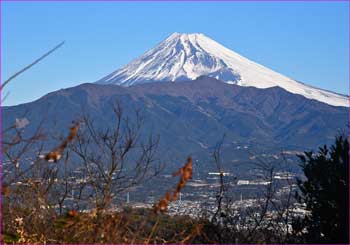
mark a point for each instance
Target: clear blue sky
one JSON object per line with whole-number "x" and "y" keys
{"x": 307, "y": 41}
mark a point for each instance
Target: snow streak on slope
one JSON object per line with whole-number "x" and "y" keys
{"x": 187, "y": 56}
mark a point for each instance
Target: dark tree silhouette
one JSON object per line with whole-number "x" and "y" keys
{"x": 326, "y": 194}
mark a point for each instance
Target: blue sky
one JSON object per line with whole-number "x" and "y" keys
{"x": 307, "y": 41}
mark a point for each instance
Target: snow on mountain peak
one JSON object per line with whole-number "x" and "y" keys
{"x": 187, "y": 56}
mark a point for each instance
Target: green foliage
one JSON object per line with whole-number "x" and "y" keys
{"x": 325, "y": 193}
{"x": 10, "y": 238}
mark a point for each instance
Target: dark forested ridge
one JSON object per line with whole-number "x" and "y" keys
{"x": 191, "y": 116}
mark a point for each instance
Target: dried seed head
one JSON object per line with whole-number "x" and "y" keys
{"x": 186, "y": 173}
{"x": 56, "y": 154}
{"x": 72, "y": 213}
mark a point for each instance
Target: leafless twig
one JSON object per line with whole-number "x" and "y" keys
{"x": 31, "y": 64}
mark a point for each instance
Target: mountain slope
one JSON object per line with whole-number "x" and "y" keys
{"x": 187, "y": 56}
{"x": 191, "y": 117}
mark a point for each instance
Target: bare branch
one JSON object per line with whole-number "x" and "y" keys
{"x": 31, "y": 64}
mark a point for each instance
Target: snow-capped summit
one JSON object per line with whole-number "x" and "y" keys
{"x": 188, "y": 56}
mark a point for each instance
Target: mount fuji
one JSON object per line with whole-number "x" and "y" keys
{"x": 183, "y": 57}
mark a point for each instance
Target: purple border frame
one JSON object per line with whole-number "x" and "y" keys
{"x": 257, "y": 1}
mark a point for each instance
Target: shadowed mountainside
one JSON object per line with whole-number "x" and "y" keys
{"x": 191, "y": 117}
